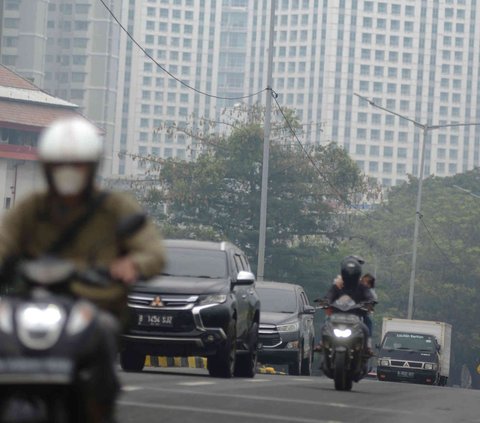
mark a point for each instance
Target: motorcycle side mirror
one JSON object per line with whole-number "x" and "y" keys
{"x": 130, "y": 224}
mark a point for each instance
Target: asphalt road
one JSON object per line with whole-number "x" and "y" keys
{"x": 180, "y": 395}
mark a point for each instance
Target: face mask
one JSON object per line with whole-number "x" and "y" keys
{"x": 69, "y": 180}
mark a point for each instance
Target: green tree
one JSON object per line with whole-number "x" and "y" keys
{"x": 448, "y": 269}
{"x": 218, "y": 195}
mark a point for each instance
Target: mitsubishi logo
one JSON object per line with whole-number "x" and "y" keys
{"x": 157, "y": 302}
{"x": 406, "y": 364}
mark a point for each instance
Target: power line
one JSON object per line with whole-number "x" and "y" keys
{"x": 169, "y": 73}
{"x": 312, "y": 161}
{"x": 438, "y": 246}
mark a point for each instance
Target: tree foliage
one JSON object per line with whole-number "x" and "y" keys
{"x": 217, "y": 196}
{"x": 448, "y": 268}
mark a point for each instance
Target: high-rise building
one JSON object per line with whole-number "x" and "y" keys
{"x": 203, "y": 44}
{"x": 70, "y": 49}
{"x": 417, "y": 58}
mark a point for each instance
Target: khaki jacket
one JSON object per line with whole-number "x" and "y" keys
{"x": 35, "y": 224}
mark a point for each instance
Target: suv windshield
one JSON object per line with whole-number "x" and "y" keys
{"x": 409, "y": 341}
{"x": 196, "y": 263}
{"x": 277, "y": 300}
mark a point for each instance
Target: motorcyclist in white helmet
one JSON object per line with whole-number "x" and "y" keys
{"x": 70, "y": 151}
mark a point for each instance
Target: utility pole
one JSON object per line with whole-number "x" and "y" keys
{"x": 266, "y": 150}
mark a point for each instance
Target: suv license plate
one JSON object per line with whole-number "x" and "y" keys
{"x": 405, "y": 374}
{"x": 156, "y": 320}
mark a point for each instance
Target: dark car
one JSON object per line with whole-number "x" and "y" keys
{"x": 204, "y": 304}
{"x": 287, "y": 332}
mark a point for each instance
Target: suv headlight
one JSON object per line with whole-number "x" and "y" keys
{"x": 289, "y": 327}
{"x": 213, "y": 299}
{"x": 383, "y": 362}
{"x": 430, "y": 366}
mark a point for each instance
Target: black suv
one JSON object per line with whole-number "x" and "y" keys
{"x": 204, "y": 304}
{"x": 287, "y": 332}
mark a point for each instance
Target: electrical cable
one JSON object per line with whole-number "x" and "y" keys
{"x": 169, "y": 73}
{"x": 312, "y": 161}
{"x": 438, "y": 246}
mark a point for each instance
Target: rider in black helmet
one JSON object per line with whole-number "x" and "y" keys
{"x": 351, "y": 270}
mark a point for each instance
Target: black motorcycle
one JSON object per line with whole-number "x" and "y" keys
{"x": 345, "y": 359}
{"x": 52, "y": 344}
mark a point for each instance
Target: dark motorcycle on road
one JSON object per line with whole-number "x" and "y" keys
{"x": 53, "y": 345}
{"x": 345, "y": 359}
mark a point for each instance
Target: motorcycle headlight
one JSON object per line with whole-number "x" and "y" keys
{"x": 214, "y": 299}
{"x": 430, "y": 366}
{"x": 288, "y": 327}
{"x": 39, "y": 325}
{"x": 342, "y": 333}
{"x": 80, "y": 317}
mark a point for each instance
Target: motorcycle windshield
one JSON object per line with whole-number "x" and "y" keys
{"x": 344, "y": 303}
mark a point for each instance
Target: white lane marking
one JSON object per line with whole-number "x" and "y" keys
{"x": 195, "y": 383}
{"x": 258, "y": 380}
{"x": 303, "y": 379}
{"x": 289, "y": 400}
{"x": 259, "y": 416}
{"x": 131, "y": 388}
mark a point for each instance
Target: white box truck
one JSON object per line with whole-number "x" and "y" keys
{"x": 416, "y": 351}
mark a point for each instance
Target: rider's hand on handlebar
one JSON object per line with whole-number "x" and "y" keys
{"x": 124, "y": 269}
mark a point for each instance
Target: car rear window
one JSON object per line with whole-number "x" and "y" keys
{"x": 196, "y": 263}
{"x": 277, "y": 300}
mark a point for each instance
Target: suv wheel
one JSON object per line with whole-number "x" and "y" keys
{"x": 307, "y": 363}
{"x": 246, "y": 365}
{"x": 132, "y": 361}
{"x": 295, "y": 368}
{"x": 222, "y": 364}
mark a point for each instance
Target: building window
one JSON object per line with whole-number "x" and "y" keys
{"x": 360, "y": 149}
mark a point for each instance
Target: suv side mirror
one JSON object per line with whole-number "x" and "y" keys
{"x": 245, "y": 278}
{"x": 308, "y": 309}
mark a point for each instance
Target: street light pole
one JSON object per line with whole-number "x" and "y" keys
{"x": 425, "y": 128}
{"x": 266, "y": 151}
{"x": 417, "y": 224}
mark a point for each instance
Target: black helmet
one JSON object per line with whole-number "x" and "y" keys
{"x": 351, "y": 269}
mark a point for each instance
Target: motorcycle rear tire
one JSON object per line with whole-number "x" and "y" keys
{"x": 341, "y": 376}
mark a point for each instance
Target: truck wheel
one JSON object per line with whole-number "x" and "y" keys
{"x": 343, "y": 382}
{"x": 246, "y": 364}
{"x": 222, "y": 364}
{"x": 295, "y": 368}
{"x": 131, "y": 361}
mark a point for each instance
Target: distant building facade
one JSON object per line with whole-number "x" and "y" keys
{"x": 68, "y": 48}
{"x": 417, "y": 58}
{"x": 25, "y": 111}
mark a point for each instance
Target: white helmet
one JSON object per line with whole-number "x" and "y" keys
{"x": 70, "y": 140}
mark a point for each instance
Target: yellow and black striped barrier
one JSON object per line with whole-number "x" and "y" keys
{"x": 196, "y": 362}
{"x": 161, "y": 361}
